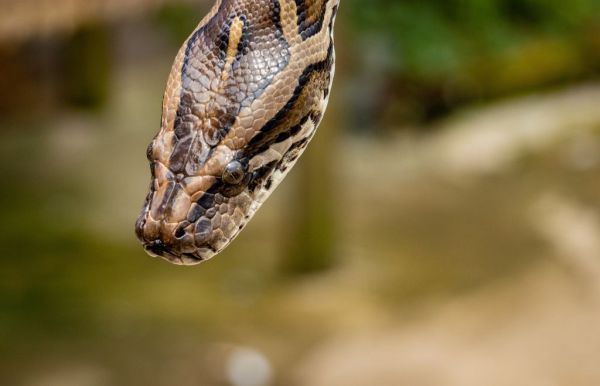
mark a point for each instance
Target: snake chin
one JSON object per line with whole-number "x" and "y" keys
{"x": 158, "y": 249}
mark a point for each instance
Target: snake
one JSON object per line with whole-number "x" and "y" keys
{"x": 245, "y": 95}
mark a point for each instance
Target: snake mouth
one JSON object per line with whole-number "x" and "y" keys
{"x": 158, "y": 249}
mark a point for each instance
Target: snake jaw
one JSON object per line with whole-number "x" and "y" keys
{"x": 157, "y": 249}
{"x": 179, "y": 251}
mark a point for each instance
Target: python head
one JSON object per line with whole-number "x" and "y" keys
{"x": 244, "y": 98}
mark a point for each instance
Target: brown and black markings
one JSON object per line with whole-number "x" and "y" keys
{"x": 311, "y": 15}
{"x": 311, "y": 89}
{"x": 207, "y": 110}
{"x": 252, "y": 78}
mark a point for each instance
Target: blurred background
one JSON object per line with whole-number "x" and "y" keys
{"x": 442, "y": 229}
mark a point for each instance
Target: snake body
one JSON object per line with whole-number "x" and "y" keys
{"x": 244, "y": 97}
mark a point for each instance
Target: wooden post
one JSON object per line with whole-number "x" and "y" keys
{"x": 311, "y": 244}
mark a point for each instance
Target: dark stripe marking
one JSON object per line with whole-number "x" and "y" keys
{"x": 261, "y": 174}
{"x": 305, "y": 29}
{"x": 265, "y": 138}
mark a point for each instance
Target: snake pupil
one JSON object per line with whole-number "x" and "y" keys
{"x": 234, "y": 173}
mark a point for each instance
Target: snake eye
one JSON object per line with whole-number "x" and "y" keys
{"x": 234, "y": 173}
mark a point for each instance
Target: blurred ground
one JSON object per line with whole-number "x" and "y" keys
{"x": 538, "y": 329}
{"x": 539, "y": 325}
{"x": 466, "y": 248}
{"x": 456, "y": 277}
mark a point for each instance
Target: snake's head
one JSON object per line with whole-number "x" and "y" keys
{"x": 244, "y": 97}
{"x": 206, "y": 186}
{"x": 201, "y": 196}
{"x": 194, "y": 210}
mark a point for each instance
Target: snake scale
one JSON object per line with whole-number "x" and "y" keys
{"x": 245, "y": 95}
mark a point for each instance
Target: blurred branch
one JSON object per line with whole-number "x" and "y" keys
{"x": 24, "y": 19}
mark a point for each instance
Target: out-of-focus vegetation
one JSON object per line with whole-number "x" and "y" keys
{"x": 436, "y": 55}
{"x": 455, "y": 243}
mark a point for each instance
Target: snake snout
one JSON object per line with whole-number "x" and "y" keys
{"x": 187, "y": 242}
{"x": 158, "y": 248}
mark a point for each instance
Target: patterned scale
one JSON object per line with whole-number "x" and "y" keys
{"x": 244, "y": 97}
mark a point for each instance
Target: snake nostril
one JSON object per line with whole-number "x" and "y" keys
{"x": 180, "y": 232}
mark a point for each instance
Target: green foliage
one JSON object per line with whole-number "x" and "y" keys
{"x": 433, "y": 38}
{"x": 423, "y": 58}
{"x": 180, "y": 19}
